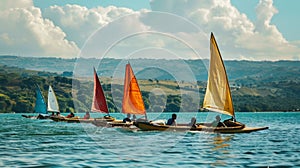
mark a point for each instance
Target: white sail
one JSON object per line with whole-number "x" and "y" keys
{"x": 52, "y": 101}
{"x": 218, "y": 96}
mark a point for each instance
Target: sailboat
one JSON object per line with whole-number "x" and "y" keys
{"x": 218, "y": 95}
{"x": 132, "y": 102}
{"x": 52, "y": 101}
{"x": 99, "y": 102}
{"x": 98, "y": 105}
{"x": 40, "y": 106}
{"x": 53, "y": 105}
{"x": 217, "y": 99}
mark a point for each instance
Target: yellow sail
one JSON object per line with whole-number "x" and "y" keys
{"x": 132, "y": 99}
{"x": 218, "y": 96}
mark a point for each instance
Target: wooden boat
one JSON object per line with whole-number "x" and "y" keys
{"x": 148, "y": 126}
{"x": 98, "y": 105}
{"x": 217, "y": 99}
{"x": 132, "y": 102}
{"x": 218, "y": 95}
{"x": 77, "y": 119}
{"x": 114, "y": 123}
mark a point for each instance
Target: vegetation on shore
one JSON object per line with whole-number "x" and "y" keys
{"x": 17, "y": 92}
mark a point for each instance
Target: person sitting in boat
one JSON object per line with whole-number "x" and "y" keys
{"x": 71, "y": 115}
{"x": 217, "y": 122}
{"x": 127, "y": 119}
{"x": 87, "y": 115}
{"x": 193, "y": 123}
{"x": 133, "y": 117}
{"x": 172, "y": 121}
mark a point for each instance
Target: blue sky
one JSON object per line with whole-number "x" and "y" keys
{"x": 133, "y": 4}
{"x": 286, "y": 19}
{"x": 247, "y": 29}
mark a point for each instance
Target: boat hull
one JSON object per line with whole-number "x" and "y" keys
{"x": 115, "y": 123}
{"x": 147, "y": 126}
{"x": 38, "y": 117}
{"x": 245, "y": 130}
{"x": 81, "y": 120}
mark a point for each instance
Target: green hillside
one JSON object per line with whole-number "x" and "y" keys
{"x": 241, "y": 72}
{"x": 256, "y": 86}
{"x": 17, "y": 90}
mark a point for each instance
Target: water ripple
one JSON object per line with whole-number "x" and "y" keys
{"x": 43, "y": 143}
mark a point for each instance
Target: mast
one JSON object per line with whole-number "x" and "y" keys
{"x": 99, "y": 102}
{"x": 132, "y": 98}
{"x": 218, "y": 95}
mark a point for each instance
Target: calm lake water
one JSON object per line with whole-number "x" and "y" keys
{"x": 45, "y": 143}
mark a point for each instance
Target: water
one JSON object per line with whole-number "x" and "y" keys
{"x": 45, "y": 143}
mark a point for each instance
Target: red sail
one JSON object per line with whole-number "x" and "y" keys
{"x": 99, "y": 102}
{"x": 132, "y": 99}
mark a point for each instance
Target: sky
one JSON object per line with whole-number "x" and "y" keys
{"x": 244, "y": 30}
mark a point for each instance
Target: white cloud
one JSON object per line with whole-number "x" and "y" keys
{"x": 7, "y": 4}
{"x": 79, "y": 22}
{"x": 115, "y": 28}
{"x": 237, "y": 36}
{"x": 144, "y": 30}
{"x": 27, "y": 33}
{"x": 266, "y": 42}
{"x": 76, "y": 23}
{"x": 62, "y": 30}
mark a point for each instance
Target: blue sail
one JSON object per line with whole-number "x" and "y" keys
{"x": 40, "y": 105}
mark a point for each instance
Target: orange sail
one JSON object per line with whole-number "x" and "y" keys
{"x": 132, "y": 99}
{"x": 218, "y": 96}
{"x": 99, "y": 102}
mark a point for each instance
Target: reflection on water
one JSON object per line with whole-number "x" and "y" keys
{"x": 220, "y": 145}
{"x": 33, "y": 143}
{"x": 221, "y": 142}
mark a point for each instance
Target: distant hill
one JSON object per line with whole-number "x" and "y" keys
{"x": 17, "y": 89}
{"x": 256, "y": 86}
{"x": 242, "y": 72}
